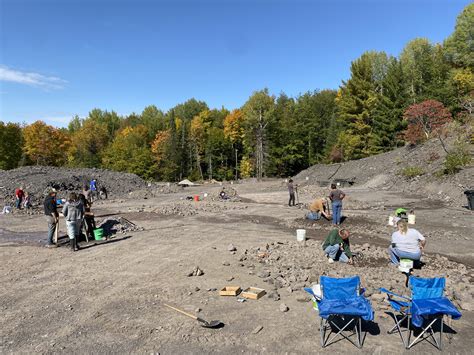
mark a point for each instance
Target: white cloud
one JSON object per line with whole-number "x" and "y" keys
{"x": 31, "y": 79}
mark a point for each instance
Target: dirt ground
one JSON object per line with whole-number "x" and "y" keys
{"x": 108, "y": 297}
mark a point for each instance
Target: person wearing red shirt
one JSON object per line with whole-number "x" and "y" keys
{"x": 19, "y": 195}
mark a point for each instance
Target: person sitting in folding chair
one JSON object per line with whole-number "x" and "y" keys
{"x": 426, "y": 307}
{"x": 342, "y": 307}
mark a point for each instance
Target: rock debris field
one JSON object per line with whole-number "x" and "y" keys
{"x": 165, "y": 247}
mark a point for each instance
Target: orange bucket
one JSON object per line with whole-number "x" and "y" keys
{"x": 196, "y": 198}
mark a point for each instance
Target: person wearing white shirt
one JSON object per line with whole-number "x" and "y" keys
{"x": 407, "y": 243}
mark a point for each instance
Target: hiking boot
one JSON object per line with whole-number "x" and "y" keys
{"x": 51, "y": 246}
{"x": 72, "y": 242}
{"x": 76, "y": 246}
{"x": 330, "y": 261}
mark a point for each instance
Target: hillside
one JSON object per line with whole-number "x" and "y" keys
{"x": 384, "y": 171}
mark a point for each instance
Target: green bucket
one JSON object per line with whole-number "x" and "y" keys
{"x": 98, "y": 233}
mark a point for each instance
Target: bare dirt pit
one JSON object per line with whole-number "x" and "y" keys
{"x": 108, "y": 297}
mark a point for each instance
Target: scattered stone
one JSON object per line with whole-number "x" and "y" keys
{"x": 230, "y": 278}
{"x": 226, "y": 263}
{"x": 284, "y": 308}
{"x": 257, "y": 329}
{"x": 274, "y": 296}
{"x": 263, "y": 274}
{"x": 231, "y": 247}
{"x": 195, "y": 272}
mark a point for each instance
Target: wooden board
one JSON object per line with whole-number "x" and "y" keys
{"x": 253, "y": 293}
{"x": 230, "y": 291}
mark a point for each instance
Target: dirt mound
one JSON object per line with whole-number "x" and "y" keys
{"x": 36, "y": 180}
{"x": 384, "y": 171}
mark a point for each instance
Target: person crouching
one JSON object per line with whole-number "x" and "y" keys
{"x": 73, "y": 212}
{"x": 337, "y": 247}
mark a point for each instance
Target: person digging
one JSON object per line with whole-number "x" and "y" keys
{"x": 336, "y": 246}
{"x": 318, "y": 208}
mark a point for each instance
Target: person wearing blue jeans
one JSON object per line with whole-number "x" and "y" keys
{"x": 397, "y": 254}
{"x": 336, "y": 196}
{"x": 407, "y": 243}
{"x": 336, "y": 212}
{"x": 336, "y": 246}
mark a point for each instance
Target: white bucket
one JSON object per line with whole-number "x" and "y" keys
{"x": 411, "y": 219}
{"x": 301, "y": 235}
{"x": 317, "y": 291}
{"x": 390, "y": 221}
{"x": 405, "y": 265}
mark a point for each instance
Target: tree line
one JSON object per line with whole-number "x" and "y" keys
{"x": 387, "y": 102}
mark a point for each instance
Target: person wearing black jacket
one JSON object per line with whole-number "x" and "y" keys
{"x": 52, "y": 216}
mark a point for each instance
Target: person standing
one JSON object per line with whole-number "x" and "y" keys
{"x": 337, "y": 247}
{"x": 73, "y": 211}
{"x": 93, "y": 188}
{"x": 336, "y": 196}
{"x": 52, "y": 216}
{"x": 407, "y": 243}
{"x": 27, "y": 202}
{"x": 291, "y": 191}
{"x": 19, "y": 195}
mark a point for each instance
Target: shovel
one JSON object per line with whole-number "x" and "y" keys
{"x": 202, "y": 322}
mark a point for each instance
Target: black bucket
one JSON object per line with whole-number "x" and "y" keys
{"x": 470, "y": 199}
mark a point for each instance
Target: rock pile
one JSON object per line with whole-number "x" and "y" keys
{"x": 186, "y": 208}
{"x": 37, "y": 179}
{"x": 114, "y": 225}
{"x": 291, "y": 266}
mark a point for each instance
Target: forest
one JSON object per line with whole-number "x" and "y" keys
{"x": 386, "y": 102}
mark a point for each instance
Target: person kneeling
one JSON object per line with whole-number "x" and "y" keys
{"x": 73, "y": 212}
{"x": 407, "y": 243}
{"x": 337, "y": 247}
{"x": 318, "y": 208}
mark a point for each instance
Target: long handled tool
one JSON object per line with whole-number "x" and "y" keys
{"x": 202, "y": 322}
{"x": 56, "y": 231}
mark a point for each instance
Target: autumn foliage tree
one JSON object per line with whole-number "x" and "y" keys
{"x": 45, "y": 145}
{"x": 426, "y": 119}
{"x": 130, "y": 152}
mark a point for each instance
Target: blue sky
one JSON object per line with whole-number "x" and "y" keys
{"x": 59, "y": 58}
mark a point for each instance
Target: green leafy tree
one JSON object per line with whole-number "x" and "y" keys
{"x": 154, "y": 120}
{"x": 11, "y": 142}
{"x": 460, "y": 45}
{"x": 392, "y": 100}
{"x": 356, "y": 101}
{"x": 258, "y": 111}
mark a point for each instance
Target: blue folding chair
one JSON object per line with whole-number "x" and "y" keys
{"x": 342, "y": 308}
{"x": 426, "y": 306}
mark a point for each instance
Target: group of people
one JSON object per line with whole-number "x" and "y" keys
{"x": 76, "y": 211}
{"x": 406, "y": 243}
{"x": 320, "y": 206}
{"x": 22, "y": 199}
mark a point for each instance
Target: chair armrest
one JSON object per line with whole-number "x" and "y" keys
{"x": 310, "y": 291}
{"x": 384, "y": 290}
